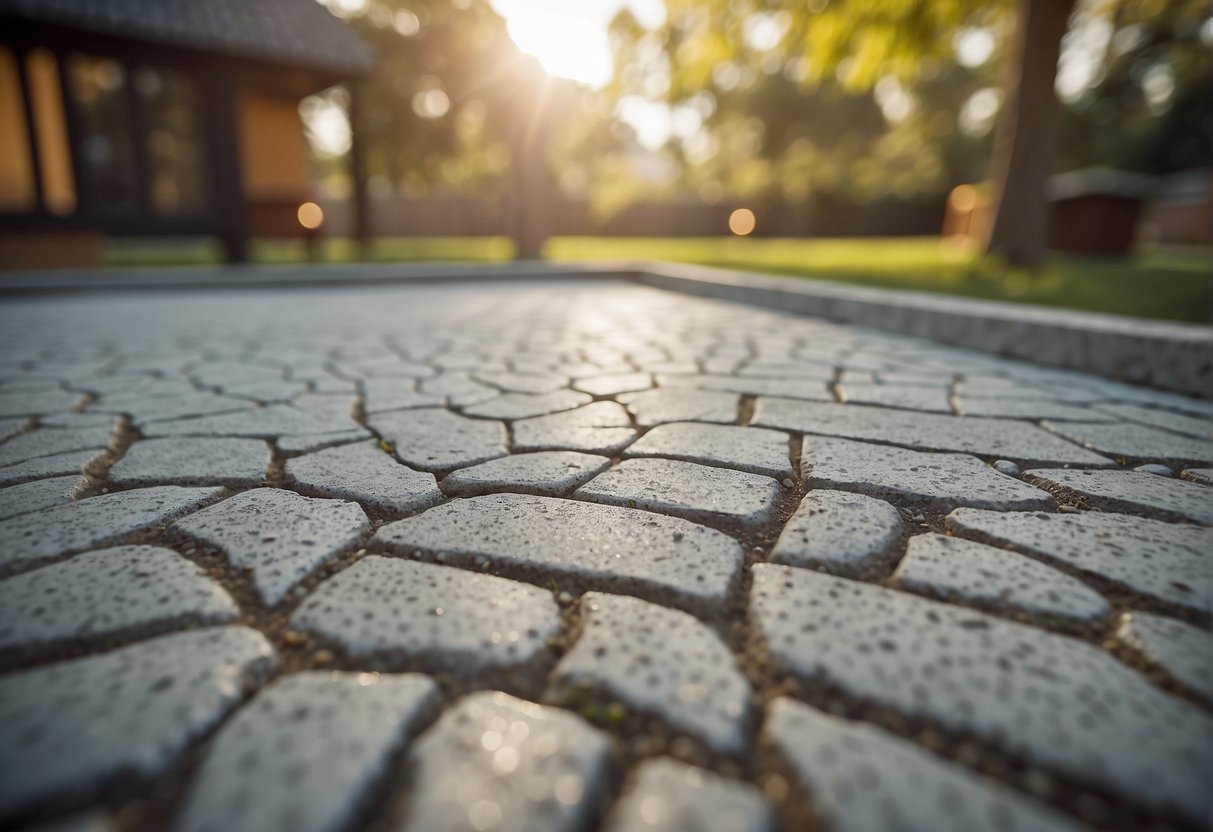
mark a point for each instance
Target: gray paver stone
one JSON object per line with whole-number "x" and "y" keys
{"x": 37, "y": 403}
{"x": 931, "y": 398}
{"x": 192, "y": 461}
{"x": 306, "y": 443}
{"x": 1184, "y": 651}
{"x": 1166, "y": 560}
{"x": 757, "y": 450}
{"x": 36, "y": 495}
{"x": 278, "y": 535}
{"x": 500, "y": 763}
{"x": 1131, "y": 491}
{"x": 453, "y": 619}
{"x": 437, "y": 440}
{"x": 863, "y": 779}
{"x": 51, "y": 442}
{"x": 1017, "y": 687}
{"x": 794, "y": 388}
{"x": 1136, "y": 443}
{"x": 382, "y": 394}
{"x": 57, "y": 465}
{"x": 654, "y": 407}
{"x": 529, "y": 383}
{"x": 1197, "y": 426}
{"x": 600, "y": 427}
{"x": 306, "y": 753}
{"x": 840, "y": 530}
{"x": 143, "y": 408}
{"x": 989, "y": 438}
{"x": 603, "y": 547}
{"x": 696, "y": 492}
{"x": 614, "y": 384}
{"x": 674, "y": 797}
{"x": 935, "y": 564}
{"x": 106, "y": 592}
{"x": 928, "y": 479}
{"x": 543, "y": 472}
{"x": 270, "y": 422}
{"x": 526, "y": 405}
{"x": 663, "y": 662}
{"x": 364, "y": 472}
{"x": 68, "y": 729}
{"x": 1015, "y": 407}
{"x": 96, "y": 521}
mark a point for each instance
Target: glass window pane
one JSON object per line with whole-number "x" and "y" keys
{"x": 176, "y": 161}
{"x": 99, "y": 88}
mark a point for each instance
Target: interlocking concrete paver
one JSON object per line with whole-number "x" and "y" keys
{"x": 68, "y": 729}
{"x": 306, "y": 753}
{"x": 1141, "y": 491}
{"x": 990, "y": 438}
{"x": 126, "y": 589}
{"x": 437, "y": 440}
{"x": 500, "y": 763}
{"x": 953, "y": 567}
{"x": 192, "y": 461}
{"x": 440, "y": 402}
{"x": 842, "y": 531}
{"x": 654, "y": 407}
{"x": 614, "y": 384}
{"x": 1168, "y": 561}
{"x": 973, "y": 673}
{"x": 929, "y": 479}
{"x": 550, "y": 473}
{"x": 36, "y": 495}
{"x": 1136, "y": 443}
{"x": 268, "y": 422}
{"x": 863, "y": 779}
{"x": 366, "y": 473}
{"x": 56, "y": 465}
{"x": 661, "y": 662}
{"x": 51, "y": 442}
{"x": 452, "y": 619}
{"x": 757, "y": 450}
{"x": 600, "y": 427}
{"x": 526, "y": 405}
{"x": 1184, "y": 651}
{"x": 96, "y": 521}
{"x": 1200, "y": 427}
{"x": 696, "y": 492}
{"x": 675, "y": 797}
{"x": 279, "y": 536}
{"x": 616, "y": 549}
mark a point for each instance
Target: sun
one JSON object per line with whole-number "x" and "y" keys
{"x": 569, "y": 37}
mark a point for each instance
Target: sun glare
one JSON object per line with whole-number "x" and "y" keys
{"x": 569, "y": 38}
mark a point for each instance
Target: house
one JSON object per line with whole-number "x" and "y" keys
{"x": 159, "y": 117}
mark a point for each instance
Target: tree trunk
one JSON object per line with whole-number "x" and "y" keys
{"x": 1025, "y": 143}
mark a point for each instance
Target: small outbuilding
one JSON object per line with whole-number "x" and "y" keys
{"x": 160, "y": 117}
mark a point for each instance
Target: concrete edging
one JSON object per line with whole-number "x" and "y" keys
{"x": 1174, "y": 357}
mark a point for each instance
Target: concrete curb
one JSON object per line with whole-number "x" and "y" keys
{"x": 1175, "y": 357}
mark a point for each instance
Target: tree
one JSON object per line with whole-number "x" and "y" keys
{"x": 861, "y": 42}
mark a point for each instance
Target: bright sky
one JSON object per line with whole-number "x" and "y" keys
{"x": 569, "y": 37}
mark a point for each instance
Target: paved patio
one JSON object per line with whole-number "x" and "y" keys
{"x": 586, "y": 555}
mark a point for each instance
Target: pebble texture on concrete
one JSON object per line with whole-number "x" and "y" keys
{"x": 451, "y": 619}
{"x": 969, "y": 672}
{"x": 603, "y": 547}
{"x": 306, "y": 752}
{"x": 278, "y": 535}
{"x": 675, "y": 797}
{"x": 77, "y": 725}
{"x": 1167, "y": 561}
{"x": 1182, "y": 650}
{"x": 407, "y": 479}
{"x": 937, "y": 481}
{"x": 110, "y": 591}
{"x": 366, "y": 473}
{"x": 496, "y": 762}
{"x": 953, "y": 567}
{"x": 840, "y": 531}
{"x": 662, "y": 662}
{"x": 865, "y": 780}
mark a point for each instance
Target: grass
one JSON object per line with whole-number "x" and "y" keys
{"x": 1168, "y": 284}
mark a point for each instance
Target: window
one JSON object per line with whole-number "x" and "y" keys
{"x": 99, "y": 87}
{"x": 174, "y": 141}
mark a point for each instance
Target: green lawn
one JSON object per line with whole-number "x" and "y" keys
{"x": 1168, "y": 284}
